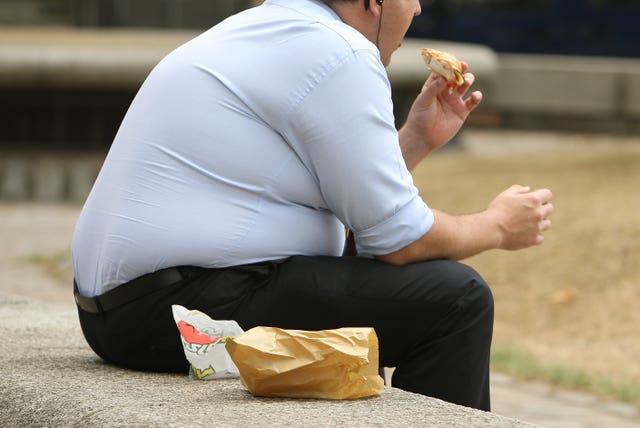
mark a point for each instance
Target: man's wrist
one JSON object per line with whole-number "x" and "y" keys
{"x": 414, "y": 147}
{"x": 494, "y": 235}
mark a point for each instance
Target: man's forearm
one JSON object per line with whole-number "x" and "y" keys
{"x": 451, "y": 237}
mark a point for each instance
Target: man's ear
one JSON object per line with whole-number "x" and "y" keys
{"x": 375, "y": 7}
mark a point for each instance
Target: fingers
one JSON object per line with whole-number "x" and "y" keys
{"x": 537, "y": 208}
{"x": 545, "y": 210}
{"x": 432, "y": 87}
{"x": 440, "y": 83}
{"x": 525, "y": 216}
{"x": 436, "y": 87}
{"x": 540, "y": 200}
{"x": 433, "y": 77}
{"x": 469, "y": 80}
{"x": 544, "y": 195}
{"x": 541, "y": 196}
{"x": 473, "y": 101}
{"x": 544, "y": 225}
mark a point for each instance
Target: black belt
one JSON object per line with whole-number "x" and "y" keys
{"x": 133, "y": 290}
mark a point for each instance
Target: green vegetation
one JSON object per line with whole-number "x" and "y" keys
{"x": 525, "y": 366}
{"x": 57, "y": 265}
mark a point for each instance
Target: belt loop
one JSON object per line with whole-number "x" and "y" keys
{"x": 185, "y": 271}
{"x": 99, "y": 306}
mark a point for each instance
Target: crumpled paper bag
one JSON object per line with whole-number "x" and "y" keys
{"x": 203, "y": 341}
{"x": 333, "y": 364}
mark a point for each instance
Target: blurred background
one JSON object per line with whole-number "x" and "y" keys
{"x": 70, "y": 68}
{"x": 561, "y": 109}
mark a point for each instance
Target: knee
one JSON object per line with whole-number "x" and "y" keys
{"x": 476, "y": 298}
{"x": 472, "y": 293}
{"x": 481, "y": 294}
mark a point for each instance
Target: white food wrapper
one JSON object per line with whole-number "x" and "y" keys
{"x": 204, "y": 341}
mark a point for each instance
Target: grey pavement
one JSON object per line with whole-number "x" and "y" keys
{"x": 29, "y": 229}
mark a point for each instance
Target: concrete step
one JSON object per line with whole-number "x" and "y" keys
{"x": 50, "y": 377}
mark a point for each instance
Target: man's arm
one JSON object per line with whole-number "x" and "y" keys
{"x": 515, "y": 219}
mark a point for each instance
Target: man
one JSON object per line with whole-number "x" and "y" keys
{"x": 242, "y": 159}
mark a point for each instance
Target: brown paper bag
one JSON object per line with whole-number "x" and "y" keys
{"x": 334, "y": 364}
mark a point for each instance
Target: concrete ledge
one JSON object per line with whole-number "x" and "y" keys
{"x": 82, "y": 58}
{"x": 49, "y": 377}
{"x": 561, "y": 85}
{"x": 107, "y": 59}
{"x": 565, "y": 92}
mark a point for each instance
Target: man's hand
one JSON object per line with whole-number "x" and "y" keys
{"x": 435, "y": 117}
{"x": 522, "y": 216}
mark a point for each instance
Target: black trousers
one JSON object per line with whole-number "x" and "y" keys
{"x": 434, "y": 320}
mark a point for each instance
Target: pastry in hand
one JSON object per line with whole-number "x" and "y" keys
{"x": 445, "y": 65}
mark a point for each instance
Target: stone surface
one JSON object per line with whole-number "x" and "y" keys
{"x": 50, "y": 377}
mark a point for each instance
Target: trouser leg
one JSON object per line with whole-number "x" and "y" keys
{"x": 451, "y": 361}
{"x": 433, "y": 319}
{"x": 142, "y": 335}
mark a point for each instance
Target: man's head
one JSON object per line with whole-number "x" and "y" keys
{"x": 383, "y": 22}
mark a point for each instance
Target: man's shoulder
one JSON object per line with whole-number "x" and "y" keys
{"x": 349, "y": 35}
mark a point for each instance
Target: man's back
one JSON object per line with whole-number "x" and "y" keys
{"x": 200, "y": 172}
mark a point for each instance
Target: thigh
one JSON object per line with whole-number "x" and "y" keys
{"x": 142, "y": 334}
{"x": 405, "y": 304}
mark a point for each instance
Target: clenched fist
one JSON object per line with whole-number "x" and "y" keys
{"x": 522, "y": 216}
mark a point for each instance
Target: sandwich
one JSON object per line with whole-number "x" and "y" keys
{"x": 445, "y": 65}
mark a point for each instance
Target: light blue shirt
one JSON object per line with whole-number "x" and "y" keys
{"x": 260, "y": 139}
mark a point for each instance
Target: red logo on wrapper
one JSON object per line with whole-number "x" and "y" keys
{"x": 193, "y": 336}
{"x": 204, "y": 343}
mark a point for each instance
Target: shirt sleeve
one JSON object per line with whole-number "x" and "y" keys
{"x": 344, "y": 132}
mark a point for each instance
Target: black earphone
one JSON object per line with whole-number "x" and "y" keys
{"x": 366, "y": 7}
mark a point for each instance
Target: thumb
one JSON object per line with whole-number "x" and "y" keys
{"x": 431, "y": 88}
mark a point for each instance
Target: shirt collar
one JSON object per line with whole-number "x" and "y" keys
{"x": 316, "y": 9}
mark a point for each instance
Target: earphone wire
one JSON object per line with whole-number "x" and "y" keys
{"x": 379, "y": 26}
